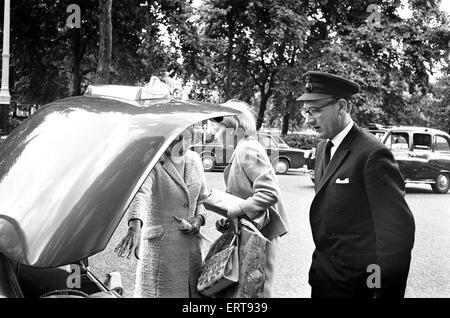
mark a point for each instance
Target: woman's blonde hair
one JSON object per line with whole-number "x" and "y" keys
{"x": 245, "y": 121}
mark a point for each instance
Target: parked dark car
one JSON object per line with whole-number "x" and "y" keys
{"x": 216, "y": 153}
{"x": 423, "y": 154}
{"x": 67, "y": 176}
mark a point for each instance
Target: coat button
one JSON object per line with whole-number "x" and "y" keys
{"x": 333, "y": 256}
{"x": 186, "y": 205}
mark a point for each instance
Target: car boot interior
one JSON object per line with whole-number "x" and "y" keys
{"x": 20, "y": 281}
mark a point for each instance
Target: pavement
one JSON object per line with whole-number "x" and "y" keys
{"x": 430, "y": 266}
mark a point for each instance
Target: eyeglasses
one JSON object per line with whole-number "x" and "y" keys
{"x": 315, "y": 111}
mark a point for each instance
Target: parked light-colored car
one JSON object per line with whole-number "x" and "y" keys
{"x": 422, "y": 154}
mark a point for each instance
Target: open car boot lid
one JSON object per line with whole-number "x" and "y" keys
{"x": 69, "y": 172}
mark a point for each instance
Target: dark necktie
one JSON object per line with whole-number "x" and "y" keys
{"x": 328, "y": 153}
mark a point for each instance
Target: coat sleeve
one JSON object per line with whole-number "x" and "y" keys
{"x": 392, "y": 218}
{"x": 200, "y": 209}
{"x": 142, "y": 201}
{"x": 259, "y": 171}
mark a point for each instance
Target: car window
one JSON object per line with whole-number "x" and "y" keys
{"x": 264, "y": 140}
{"x": 398, "y": 141}
{"x": 422, "y": 141}
{"x": 279, "y": 142}
{"x": 211, "y": 132}
{"x": 379, "y": 134}
{"x": 442, "y": 144}
{"x": 272, "y": 142}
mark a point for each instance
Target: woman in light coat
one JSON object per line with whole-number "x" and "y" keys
{"x": 250, "y": 176}
{"x": 169, "y": 259}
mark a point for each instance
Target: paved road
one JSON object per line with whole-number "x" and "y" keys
{"x": 430, "y": 268}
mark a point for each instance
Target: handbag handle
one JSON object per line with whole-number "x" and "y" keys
{"x": 233, "y": 240}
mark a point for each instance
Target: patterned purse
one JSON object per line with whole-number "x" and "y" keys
{"x": 220, "y": 270}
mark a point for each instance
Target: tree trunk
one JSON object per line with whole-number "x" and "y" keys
{"x": 285, "y": 125}
{"x": 76, "y": 61}
{"x": 287, "y": 115}
{"x": 105, "y": 42}
{"x": 262, "y": 109}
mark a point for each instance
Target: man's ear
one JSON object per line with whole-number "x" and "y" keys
{"x": 344, "y": 105}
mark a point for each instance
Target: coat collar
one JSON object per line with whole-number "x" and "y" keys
{"x": 339, "y": 156}
{"x": 182, "y": 181}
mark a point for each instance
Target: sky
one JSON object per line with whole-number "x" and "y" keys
{"x": 445, "y": 6}
{"x": 406, "y": 12}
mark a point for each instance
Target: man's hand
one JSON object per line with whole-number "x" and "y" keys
{"x": 131, "y": 242}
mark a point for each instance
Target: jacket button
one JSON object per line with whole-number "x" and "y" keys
{"x": 333, "y": 234}
{"x": 333, "y": 256}
{"x": 186, "y": 205}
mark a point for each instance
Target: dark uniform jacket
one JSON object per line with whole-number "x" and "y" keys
{"x": 362, "y": 226}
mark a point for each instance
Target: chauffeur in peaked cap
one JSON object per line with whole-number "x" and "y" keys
{"x": 362, "y": 226}
{"x": 320, "y": 85}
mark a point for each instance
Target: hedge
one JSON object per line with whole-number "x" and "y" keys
{"x": 301, "y": 141}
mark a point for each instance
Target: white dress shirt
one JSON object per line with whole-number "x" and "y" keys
{"x": 337, "y": 140}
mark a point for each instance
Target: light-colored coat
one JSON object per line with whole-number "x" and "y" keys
{"x": 251, "y": 176}
{"x": 170, "y": 261}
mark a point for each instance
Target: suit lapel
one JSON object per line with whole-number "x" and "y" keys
{"x": 173, "y": 173}
{"x": 339, "y": 156}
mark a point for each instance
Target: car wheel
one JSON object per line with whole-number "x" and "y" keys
{"x": 281, "y": 166}
{"x": 442, "y": 184}
{"x": 208, "y": 163}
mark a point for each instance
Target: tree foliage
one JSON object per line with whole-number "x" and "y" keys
{"x": 252, "y": 50}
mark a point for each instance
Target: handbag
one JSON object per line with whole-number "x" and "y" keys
{"x": 252, "y": 260}
{"x": 221, "y": 269}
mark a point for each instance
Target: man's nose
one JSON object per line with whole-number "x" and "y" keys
{"x": 309, "y": 119}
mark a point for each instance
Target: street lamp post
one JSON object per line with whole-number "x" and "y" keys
{"x": 5, "y": 98}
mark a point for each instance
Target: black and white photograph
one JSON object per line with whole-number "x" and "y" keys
{"x": 225, "y": 152}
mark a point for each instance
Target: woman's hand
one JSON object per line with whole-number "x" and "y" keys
{"x": 233, "y": 216}
{"x": 195, "y": 224}
{"x": 131, "y": 242}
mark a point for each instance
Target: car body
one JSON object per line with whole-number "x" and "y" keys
{"x": 216, "y": 153}
{"x": 67, "y": 176}
{"x": 422, "y": 154}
